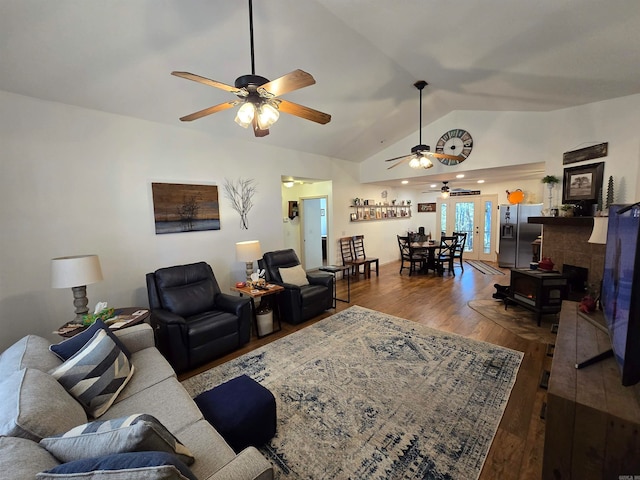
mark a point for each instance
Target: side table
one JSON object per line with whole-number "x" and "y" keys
{"x": 334, "y": 269}
{"x": 254, "y": 293}
{"x": 128, "y": 317}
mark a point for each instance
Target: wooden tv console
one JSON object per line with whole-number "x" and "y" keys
{"x": 592, "y": 427}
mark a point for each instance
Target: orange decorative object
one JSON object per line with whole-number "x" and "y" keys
{"x": 241, "y": 284}
{"x": 515, "y": 197}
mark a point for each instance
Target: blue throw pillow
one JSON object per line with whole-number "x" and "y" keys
{"x": 132, "y": 466}
{"x": 69, "y": 347}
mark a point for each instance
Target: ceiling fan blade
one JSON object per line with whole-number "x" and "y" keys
{"x": 257, "y": 131}
{"x": 289, "y": 82}
{"x": 404, "y": 159}
{"x": 304, "y": 112}
{"x": 444, "y": 155}
{"x": 398, "y": 158}
{"x": 208, "y": 111}
{"x": 206, "y": 81}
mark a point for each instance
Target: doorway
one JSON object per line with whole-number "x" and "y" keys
{"x": 477, "y": 217}
{"x": 313, "y": 219}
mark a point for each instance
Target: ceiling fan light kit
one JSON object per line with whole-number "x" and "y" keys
{"x": 259, "y": 105}
{"x": 445, "y": 191}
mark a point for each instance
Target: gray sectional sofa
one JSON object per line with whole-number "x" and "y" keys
{"x": 43, "y": 408}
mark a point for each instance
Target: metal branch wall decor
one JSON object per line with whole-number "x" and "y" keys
{"x": 240, "y": 194}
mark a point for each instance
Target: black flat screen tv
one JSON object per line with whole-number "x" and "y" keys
{"x": 621, "y": 289}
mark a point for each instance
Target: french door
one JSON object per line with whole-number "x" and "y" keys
{"x": 475, "y": 215}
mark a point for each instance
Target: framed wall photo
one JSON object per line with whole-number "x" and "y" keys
{"x": 185, "y": 208}
{"x": 426, "y": 207}
{"x": 582, "y": 183}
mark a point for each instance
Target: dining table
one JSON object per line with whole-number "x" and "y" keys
{"x": 427, "y": 249}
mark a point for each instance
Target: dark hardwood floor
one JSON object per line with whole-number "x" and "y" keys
{"x": 441, "y": 302}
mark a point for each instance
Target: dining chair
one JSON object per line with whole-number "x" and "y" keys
{"x": 461, "y": 241}
{"x": 359, "y": 254}
{"x": 408, "y": 254}
{"x": 445, "y": 254}
{"x": 348, "y": 257}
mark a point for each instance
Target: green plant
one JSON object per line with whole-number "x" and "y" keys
{"x": 550, "y": 179}
{"x": 566, "y": 206}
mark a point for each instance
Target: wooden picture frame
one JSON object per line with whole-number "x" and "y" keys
{"x": 181, "y": 207}
{"x": 426, "y": 207}
{"x": 582, "y": 183}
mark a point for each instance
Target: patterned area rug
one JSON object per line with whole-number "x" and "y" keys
{"x": 484, "y": 267}
{"x": 517, "y": 320}
{"x": 364, "y": 395}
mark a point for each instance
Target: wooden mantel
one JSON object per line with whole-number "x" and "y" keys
{"x": 573, "y": 221}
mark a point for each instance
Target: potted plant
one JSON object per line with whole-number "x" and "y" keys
{"x": 566, "y": 210}
{"x": 550, "y": 180}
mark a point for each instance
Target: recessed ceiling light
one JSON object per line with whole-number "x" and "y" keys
{"x": 460, "y": 175}
{"x": 480, "y": 181}
{"x": 404, "y": 182}
{"x": 433, "y": 185}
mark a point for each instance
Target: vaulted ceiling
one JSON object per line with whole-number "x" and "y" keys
{"x": 116, "y": 56}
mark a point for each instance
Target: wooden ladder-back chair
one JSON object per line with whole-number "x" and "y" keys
{"x": 348, "y": 258}
{"x": 359, "y": 254}
{"x": 445, "y": 254}
{"x": 461, "y": 241}
{"x": 408, "y": 254}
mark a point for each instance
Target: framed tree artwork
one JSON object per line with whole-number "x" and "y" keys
{"x": 185, "y": 208}
{"x": 582, "y": 183}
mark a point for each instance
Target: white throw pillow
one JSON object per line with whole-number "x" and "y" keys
{"x": 294, "y": 275}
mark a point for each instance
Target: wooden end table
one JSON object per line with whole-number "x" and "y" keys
{"x": 254, "y": 293}
{"x": 68, "y": 330}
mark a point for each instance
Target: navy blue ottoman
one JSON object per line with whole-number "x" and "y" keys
{"x": 241, "y": 410}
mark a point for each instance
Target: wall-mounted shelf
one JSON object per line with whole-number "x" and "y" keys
{"x": 368, "y": 213}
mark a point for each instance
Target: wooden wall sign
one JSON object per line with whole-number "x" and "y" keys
{"x": 426, "y": 207}
{"x": 587, "y": 153}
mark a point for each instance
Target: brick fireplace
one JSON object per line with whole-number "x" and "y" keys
{"x": 565, "y": 241}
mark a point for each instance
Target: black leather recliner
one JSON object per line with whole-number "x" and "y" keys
{"x": 298, "y": 304}
{"x": 193, "y": 321}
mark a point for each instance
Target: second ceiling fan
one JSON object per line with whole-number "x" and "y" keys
{"x": 260, "y": 105}
{"x": 419, "y": 156}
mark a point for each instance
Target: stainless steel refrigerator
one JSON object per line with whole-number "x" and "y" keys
{"x": 516, "y": 235}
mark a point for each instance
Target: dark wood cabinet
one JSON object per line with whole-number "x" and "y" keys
{"x": 592, "y": 426}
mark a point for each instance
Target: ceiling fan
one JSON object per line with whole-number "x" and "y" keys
{"x": 446, "y": 190}
{"x": 419, "y": 156}
{"x": 259, "y": 97}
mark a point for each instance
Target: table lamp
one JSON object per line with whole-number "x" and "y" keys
{"x": 76, "y": 272}
{"x": 599, "y": 232}
{"x": 248, "y": 252}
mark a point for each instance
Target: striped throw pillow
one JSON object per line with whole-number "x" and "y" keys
{"x": 135, "y": 433}
{"x": 96, "y": 374}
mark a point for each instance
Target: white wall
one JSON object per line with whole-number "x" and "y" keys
{"x": 515, "y": 138}
{"x": 76, "y": 181}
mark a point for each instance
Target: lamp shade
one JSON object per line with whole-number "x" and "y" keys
{"x": 75, "y": 271}
{"x": 248, "y": 251}
{"x": 599, "y": 232}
